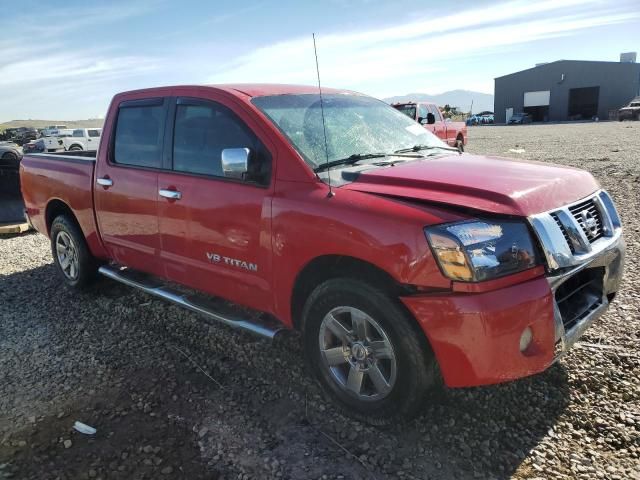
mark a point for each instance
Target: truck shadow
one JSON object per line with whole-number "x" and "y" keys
{"x": 264, "y": 389}
{"x": 483, "y": 432}
{"x": 489, "y": 431}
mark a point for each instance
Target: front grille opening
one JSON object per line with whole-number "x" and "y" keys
{"x": 580, "y": 295}
{"x": 588, "y": 212}
{"x": 564, "y": 232}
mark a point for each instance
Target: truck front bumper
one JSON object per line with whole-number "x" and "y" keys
{"x": 476, "y": 337}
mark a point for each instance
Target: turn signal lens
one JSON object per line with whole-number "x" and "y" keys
{"x": 451, "y": 257}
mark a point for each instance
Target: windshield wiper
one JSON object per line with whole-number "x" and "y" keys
{"x": 418, "y": 148}
{"x": 356, "y": 157}
{"x": 350, "y": 160}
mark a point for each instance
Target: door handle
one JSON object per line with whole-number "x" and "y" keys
{"x": 171, "y": 194}
{"x": 105, "y": 182}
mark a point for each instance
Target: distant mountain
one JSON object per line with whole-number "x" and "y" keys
{"x": 455, "y": 98}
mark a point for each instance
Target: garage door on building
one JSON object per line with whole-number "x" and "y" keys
{"x": 536, "y": 104}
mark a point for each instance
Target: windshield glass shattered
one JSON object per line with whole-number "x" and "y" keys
{"x": 356, "y": 125}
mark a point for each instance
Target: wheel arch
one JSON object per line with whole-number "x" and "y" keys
{"x": 55, "y": 208}
{"x": 326, "y": 267}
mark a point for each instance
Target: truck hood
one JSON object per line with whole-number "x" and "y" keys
{"x": 490, "y": 184}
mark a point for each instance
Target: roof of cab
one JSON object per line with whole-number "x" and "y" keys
{"x": 262, "y": 89}
{"x": 253, "y": 89}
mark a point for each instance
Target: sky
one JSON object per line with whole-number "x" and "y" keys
{"x": 65, "y": 60}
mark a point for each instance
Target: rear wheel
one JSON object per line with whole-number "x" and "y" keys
{"x": 71, "y": 255}
{"x": 460, "y": 144}
{"x": 10, "y": 159}
{"x": 75, "y": 148}
{"x": 366, "y": 352}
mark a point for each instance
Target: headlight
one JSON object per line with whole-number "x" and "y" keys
{"x": 477, "y": 250}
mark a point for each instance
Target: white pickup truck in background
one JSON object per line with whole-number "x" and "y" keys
{"x": 82, "y": 139}
{"x": 53, "y": 141}
{"x": 52, "y": 130}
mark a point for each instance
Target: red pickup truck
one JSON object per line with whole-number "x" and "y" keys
{"x": 404, "y": 263}
{"x": 429, "y": 115}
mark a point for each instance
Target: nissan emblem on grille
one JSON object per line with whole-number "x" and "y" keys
{"x": 590, "y": 223}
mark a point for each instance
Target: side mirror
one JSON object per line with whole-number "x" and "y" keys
{"x": 421, "y": 120}
{"x": 235, "y": 162}
{"x": 431, "y": 118}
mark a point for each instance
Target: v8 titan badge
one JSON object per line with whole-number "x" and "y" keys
{"x": 232, "y": 262}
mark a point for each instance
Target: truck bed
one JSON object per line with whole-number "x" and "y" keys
{"x": 47, "y": 178}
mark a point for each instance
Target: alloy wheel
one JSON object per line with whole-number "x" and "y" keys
{"x": 358, "y": 353}
{"x": 67, "y": 255}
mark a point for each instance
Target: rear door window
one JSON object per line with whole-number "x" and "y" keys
{"x": 94, "y": 133}
{"x": 78, "y": 133}
{"x": 140, "y": 133}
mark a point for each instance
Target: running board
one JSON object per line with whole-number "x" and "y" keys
{"x": 261, "y": 324}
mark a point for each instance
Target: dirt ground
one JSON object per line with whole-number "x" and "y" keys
{"x": 174, "y": 397}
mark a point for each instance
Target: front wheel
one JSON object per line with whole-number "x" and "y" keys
{"x": 71, "y": 255}
{"x": 75, "y": 148}
{"x": 366, "y": 352}
{"x": 460, "y": 144}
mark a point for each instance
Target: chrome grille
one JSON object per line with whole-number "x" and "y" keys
{"x": 572, "y": 234}
{"x": 589, "y": 219}
{"x": 564, "y": 231}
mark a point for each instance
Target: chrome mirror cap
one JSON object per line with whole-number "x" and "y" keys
{"x": 235, "y": 162}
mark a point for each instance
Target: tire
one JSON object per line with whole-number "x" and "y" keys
{"x": 460, "y": 144}
{"x": 75, "y": 148}
{"x": 10, "y": 159}
{"x": 393, "y": 349}
{"x": 74, "y": 262}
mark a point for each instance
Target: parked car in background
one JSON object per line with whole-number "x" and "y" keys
{"x": 25, "y": 135}
{"x": 631, "y": 111}
{"x": 520, "y": 118}
{"x": 487, "y": 118}
{"x": 403, "y": 262}
{"x": 34, "y": 146}
{"x": 10, "y": 134}
{"x": 10, "y": 155}
{"x": 82, "y": 139}
{"x": 429, "y": 115}
{"x": 480, "y": 119}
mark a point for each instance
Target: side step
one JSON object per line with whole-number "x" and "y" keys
{"x": 215, "y": 309}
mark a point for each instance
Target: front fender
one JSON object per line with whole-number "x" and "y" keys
{"x": 384, "y": 232}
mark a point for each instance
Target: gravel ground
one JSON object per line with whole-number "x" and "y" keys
{"x": 125, "y": 363}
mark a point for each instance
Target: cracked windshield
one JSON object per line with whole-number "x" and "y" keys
{"x": 355, "y": 125}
